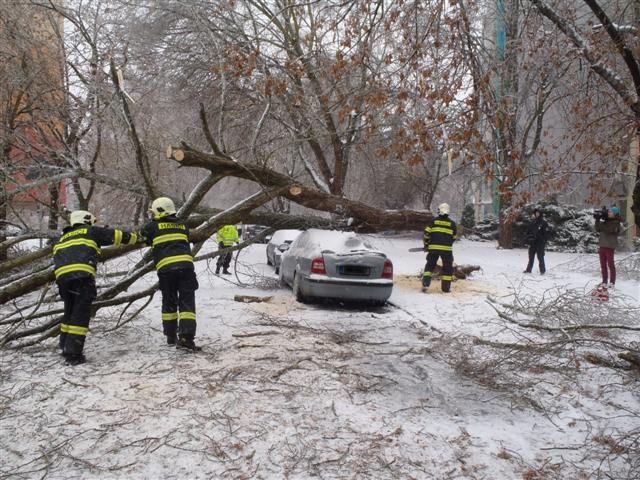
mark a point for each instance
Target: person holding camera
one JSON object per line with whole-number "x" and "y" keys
{"x": 536, "y": 237}
{"x": 608, "y": 226}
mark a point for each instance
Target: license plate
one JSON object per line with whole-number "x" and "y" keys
{"x": 354, "y": 270}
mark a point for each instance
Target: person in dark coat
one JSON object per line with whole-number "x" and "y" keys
{"x": 169, "y": 239}
{"x": 608, "y": 226}
{"x": 536, "y": 237}
{"x": 75, "y": 256}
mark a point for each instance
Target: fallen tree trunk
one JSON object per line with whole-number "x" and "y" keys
{"x": 110, "y": 296}
{"x": 359, "y": 216}
{"x": 206, "y": 229}
{"x": 274, "y": 220}
{"x": 36, "y": 280}
{"x": 25, "y": 259}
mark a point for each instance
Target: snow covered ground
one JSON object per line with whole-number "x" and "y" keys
{"x": 423, "y": 388}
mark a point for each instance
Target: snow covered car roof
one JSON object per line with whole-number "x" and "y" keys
{"x": 314, "y": 241}
{"x": 280, "y": 236}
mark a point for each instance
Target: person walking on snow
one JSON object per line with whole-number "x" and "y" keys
{"x": 536, "y": 237}
{"x": 438, "y": 242}
{"x": 75, "y": 256}
{"x": 169, "y": 240}
{"x": 226, "y": 237}
{"x": 608, "y": 226}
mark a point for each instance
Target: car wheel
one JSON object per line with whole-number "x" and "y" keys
{"x": 296, "y": 289}
{"x": 281, "y": 280}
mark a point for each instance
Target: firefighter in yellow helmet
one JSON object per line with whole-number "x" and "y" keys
{"x": 75, "y": 256}
{"x": 169, "y": 239}
{"x": 226, "y": 237}
{"x": 438, "y": 242}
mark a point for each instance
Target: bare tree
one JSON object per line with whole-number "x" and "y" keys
{"x": 613, "y": 55}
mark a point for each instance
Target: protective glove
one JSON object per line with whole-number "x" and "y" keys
{"x": 140, "y": 238}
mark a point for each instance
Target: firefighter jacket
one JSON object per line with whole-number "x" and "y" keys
{"x": 169, "y": 239}
{"x": 227, "y": 235}
{"x": 75, "y": 254}
{"x": 439, "y": 236}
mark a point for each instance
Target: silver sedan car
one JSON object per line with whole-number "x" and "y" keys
{"x": 338, "y": 265}
{"x": 280, "y": 240}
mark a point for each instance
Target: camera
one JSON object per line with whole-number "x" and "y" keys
{"x": 601, "y": 214}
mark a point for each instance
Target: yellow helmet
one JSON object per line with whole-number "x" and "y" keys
{"x": 443, "y": 209}
{"x": 80, "y": 217}
{"x": 162, "y": 206}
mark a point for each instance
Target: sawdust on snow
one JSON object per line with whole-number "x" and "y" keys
{"x": 459, "y": 288}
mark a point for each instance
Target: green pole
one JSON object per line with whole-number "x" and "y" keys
{"x": 500, "y": 47}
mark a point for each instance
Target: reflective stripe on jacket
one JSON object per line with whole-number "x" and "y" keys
{"x": 440, "y": 235}
{"x": 169, "y": 239}
{"x": 227, "y": 235}
{"x": 75, "y": 254}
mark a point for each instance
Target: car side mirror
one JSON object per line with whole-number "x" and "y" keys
{"x": 283, "y": 247}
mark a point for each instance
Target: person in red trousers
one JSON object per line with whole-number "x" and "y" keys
{"x": 608, "y": 226}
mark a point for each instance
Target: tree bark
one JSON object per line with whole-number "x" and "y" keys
{"x": 3, "y": 216}
{"x": 507, "y": 114}
{"x": 635, "y": 208}
{"x": 4, "y": 198}
{"x": 54, "y": 206}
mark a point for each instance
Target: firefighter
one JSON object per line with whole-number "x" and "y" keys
{"x": 226, "y": 237}
{"x": 169, "y": 239}
{"x": 438, "y": 242}
{"x": 75, "y": 256}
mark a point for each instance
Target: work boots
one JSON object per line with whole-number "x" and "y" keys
{"x": 185, "y": 343}
{"x": 74, "y": 358}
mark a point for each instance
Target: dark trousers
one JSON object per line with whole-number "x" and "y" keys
{"x": 178, "y": 289}
{"x": 77, "y": 295}
{"x": 536, "y": 248}
{"x": 223, "y": 260}
{"x": 447, "y": 269}
{"x": 607, "y": 265}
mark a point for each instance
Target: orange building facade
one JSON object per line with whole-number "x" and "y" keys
{"x": 32, "y": 119}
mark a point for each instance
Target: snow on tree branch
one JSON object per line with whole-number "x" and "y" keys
{"x": 589, "y": 52}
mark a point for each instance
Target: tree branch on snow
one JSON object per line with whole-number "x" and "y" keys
{"x": 566, "y": 328}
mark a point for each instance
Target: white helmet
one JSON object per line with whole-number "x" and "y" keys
{"x": 80, "y": 217}
{"x": 162, "y": 206}
{"x": 443, "y": 209}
